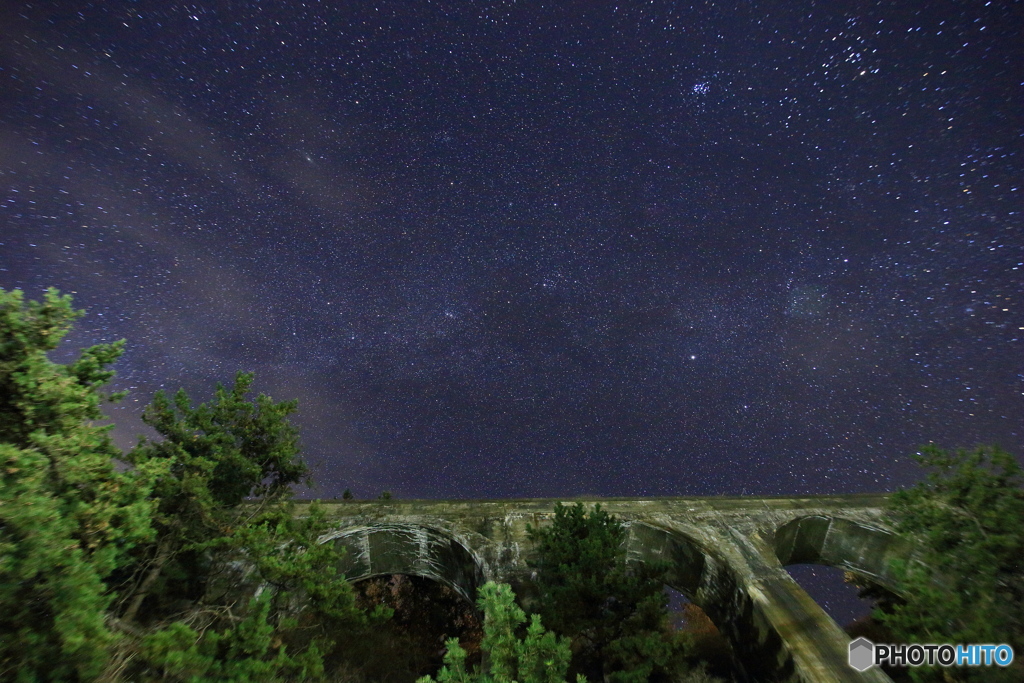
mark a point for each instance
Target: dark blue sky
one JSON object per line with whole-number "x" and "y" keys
{"x": 533, "y": 249}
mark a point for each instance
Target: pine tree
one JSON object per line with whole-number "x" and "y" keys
{"x": 538, "y": 656}
{"x": 226, "y": 530}
{"x": 188, "y": 565}
{"x": 217, "y": 456}
{"x": 615, "y": 614}
{"x": 67, "y": 517}
{"x": 968, "y": 584}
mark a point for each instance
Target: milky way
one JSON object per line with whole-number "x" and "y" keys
{"x": 512, "y": 249}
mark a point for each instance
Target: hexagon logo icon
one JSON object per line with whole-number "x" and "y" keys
{"x": 862, "y": 654}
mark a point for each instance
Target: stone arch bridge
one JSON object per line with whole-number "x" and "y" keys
{"x": 728, "y": 556}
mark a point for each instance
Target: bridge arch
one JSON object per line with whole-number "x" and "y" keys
{"x": 688, "y": 560}
{"x": 431, "y": 552}
{"x": 718, "y": 585}
{"x": 863, "y": 548}
{"x": 728, "y": 556}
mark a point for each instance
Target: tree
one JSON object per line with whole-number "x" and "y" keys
{"x": 226, "y": 529}
{"x": 217, "y": 456}
{"x": 968, "y": 584}
{"x": 538, "y": 657}
{"x": 614, "y": 613}
{"x": 281, "y": 634}
{"x": 67, "y": 517}
{"x": 189, "y": 565}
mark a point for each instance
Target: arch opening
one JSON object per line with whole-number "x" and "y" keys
{"x": 844, "y": 566}
{"x": 698, "y": 576}
{"x": 426, "y": 613}
{"x": 859, "y": 557}
{"x": 832, "y": 589}
{"x": 863, "y": 549}
{"x": 414, "y": 550}
{"x": 429, "y": 578}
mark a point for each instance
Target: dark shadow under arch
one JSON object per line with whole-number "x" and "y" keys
{"x": 425, "y": 614}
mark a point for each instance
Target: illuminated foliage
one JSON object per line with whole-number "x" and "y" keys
{"x": 968, "y": 585}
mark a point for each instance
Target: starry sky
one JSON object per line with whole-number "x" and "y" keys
{"x": 510, "y": 249}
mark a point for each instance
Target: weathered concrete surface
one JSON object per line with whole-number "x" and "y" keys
{"x": 727, "y": 556}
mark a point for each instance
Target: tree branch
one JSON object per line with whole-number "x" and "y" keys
{"x": 163, "y": 554}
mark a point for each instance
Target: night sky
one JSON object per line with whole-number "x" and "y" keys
{"x": 510, "y": 249}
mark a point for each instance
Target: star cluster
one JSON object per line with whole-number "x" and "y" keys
{"x": 528, "y": 249}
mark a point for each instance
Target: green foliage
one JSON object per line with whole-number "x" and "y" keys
{"x": 216, "y": 456}
{"x": 968, "y": 585}
{"x": 538, "y": 657}
{"x": 67, "y": 517}
{"x": 615, "y": 614}
{"x": 148, "y": 573}
{"x": 226, "y": 528}
{"x": 224, "y": 451}
{"x": 406, "y": 647}
{"x": 247, "y": 650}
